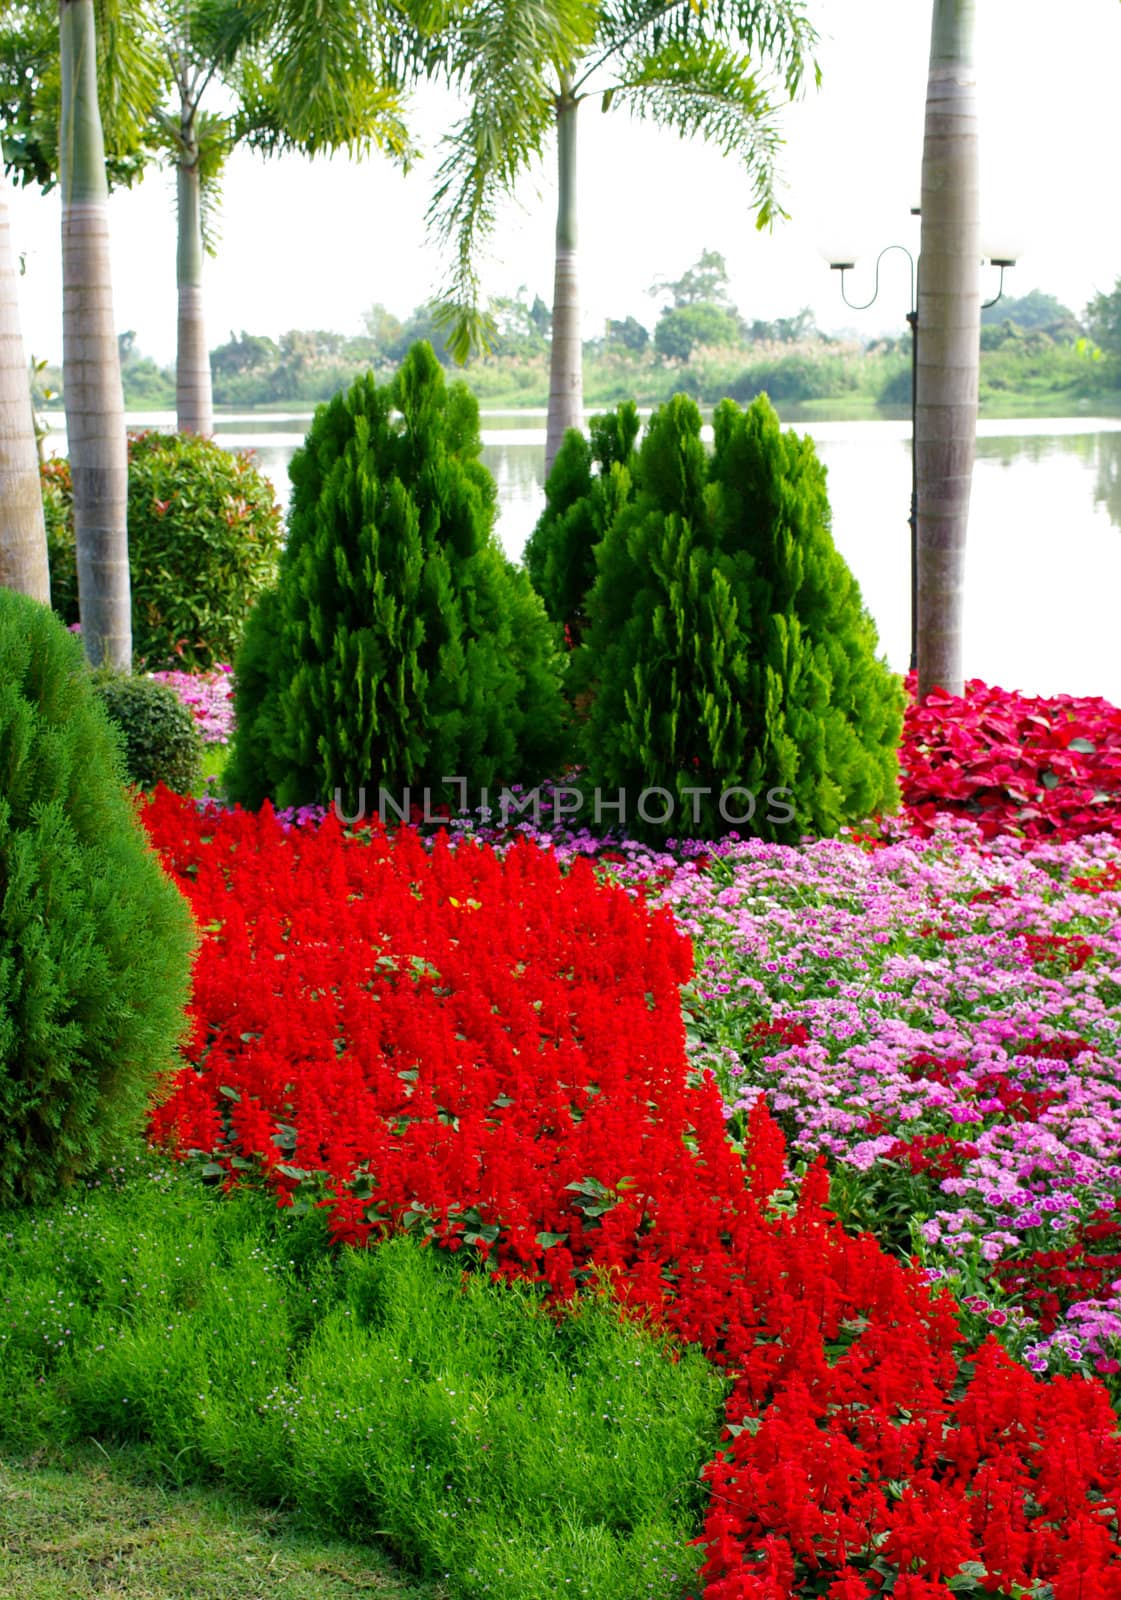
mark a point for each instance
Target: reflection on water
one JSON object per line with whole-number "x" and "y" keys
{"x": 1043, "y": 568}
{"x": 1107, "y": 489}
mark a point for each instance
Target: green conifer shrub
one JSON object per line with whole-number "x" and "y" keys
{"x": 160, "y": 740}
{"x": 729, "y": 647}
{"x": 590, "y": 480}
{"x": 204, "y": 534}
{"x": 95, "y": 941}
{"x": 399, "y": 647}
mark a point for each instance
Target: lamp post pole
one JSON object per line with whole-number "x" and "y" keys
{"x": 842, "y": 267}
{"x": 913, "y": 323}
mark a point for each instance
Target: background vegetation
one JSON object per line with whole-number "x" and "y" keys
{"x": 1036, "y": 353}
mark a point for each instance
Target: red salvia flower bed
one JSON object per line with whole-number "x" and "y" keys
{"x": 492, "y": 1052}
{"x": 1041, "y": 768}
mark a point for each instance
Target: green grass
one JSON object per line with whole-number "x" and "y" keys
{"x": 389, "y": 1394}
{"x": 214, "y": 758}
{"x": 95, "y": 1524}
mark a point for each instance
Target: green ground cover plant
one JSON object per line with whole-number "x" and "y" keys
{"x": 498, "y": 1448}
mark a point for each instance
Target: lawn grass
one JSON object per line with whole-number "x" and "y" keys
{"x": 95, "y": 1523}
{"x": 214, "y": 759}
{"x": 388, "y": 1394}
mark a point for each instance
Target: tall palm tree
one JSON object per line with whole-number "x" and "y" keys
{"x": 95, "y": 412}
{"x": 714, "y": 69}
{"x": 303, "y": 78}
{"x": 289, "y": 77}
{"x": 23, "y": 539}
{"x": 949, "y": 346}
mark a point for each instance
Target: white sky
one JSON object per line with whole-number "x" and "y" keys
{"x": 312, "y": 244}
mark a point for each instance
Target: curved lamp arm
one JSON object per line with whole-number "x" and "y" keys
{"x": 996, "y": 261}
{"x": 845, "y": 266}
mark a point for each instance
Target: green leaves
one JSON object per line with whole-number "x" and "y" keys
{"x": 508, "y": 59}
{"x": 704, "y": 88}
{"x": 706, "y": 68}
{"x": 320, "y": 78}
{"x": 132, "y": 77}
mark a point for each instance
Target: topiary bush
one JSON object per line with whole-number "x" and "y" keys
{"x": 729, "y": 648}
{"x": 204, "y": 534}
{"x": 399, "y": 647}
{"x": 95, "y": 942}
{"x": 160, "y": 740}
{"x": 579, "y": 505}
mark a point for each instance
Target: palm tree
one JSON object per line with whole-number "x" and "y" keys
{"x": 948, "y": 354}
{"x": 713, "y": 70}
{"x": 292, "y": 77}
{"x": 95, "y": 412}
{"x": 23, "y": 539}
{"x": 305, "y": 78}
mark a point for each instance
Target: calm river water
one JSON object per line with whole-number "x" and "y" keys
{"x": 1044, "y": 562}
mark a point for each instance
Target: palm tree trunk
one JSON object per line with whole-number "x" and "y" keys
{"x": 949, "y": 316}
{"x": 566, "y": 355}
{"x": 95, "y": 412}
{"x": 194, "y": 404}
{"x": 23, "y": 539}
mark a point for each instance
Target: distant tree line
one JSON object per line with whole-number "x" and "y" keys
{"x": 1032, "y": 345}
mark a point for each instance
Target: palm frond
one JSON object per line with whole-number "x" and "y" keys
{"x": 132, "y": 70}
{"x": 705, "y": 89}
{"x": 509, "y": 59}
{"x": 321, "y": 80}
{"x": 777, "y": 34}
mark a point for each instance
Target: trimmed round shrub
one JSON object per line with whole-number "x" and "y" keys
{"x": 590, "y": 480}
{"x": 95, "y": 941}
{"x": 729, "y": 649}
{"x": 400, "y": 648}
{"x": 204, "y": 534}
{"x": 160, "y": 740}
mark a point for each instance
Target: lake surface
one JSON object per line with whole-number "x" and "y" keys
{"x": 1043, "y": 575}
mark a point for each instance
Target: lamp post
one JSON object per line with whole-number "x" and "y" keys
{"x": 842, "y": 267}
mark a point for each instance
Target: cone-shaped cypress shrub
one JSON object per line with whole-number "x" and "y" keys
{"x": 95, "y": 942}
{"x": 398, "y": 650}
{"x": 580, "y": 504}
{"x": 729, "y": 648}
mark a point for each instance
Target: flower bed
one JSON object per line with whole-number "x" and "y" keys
{"x": 940, "y": 1019}
{"x": 208, "y": 696}
{"x": 492, "y": 1053}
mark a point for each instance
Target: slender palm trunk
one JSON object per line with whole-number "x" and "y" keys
{"x": 566, "y": 356}
{"x": 949, "y": 316}
{"x": 23, "y": 539}
{"x": 194, "y": 403}
{"x": 95, "y": 412}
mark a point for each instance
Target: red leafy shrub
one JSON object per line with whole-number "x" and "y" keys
{"x": 492, "y": 1052}
{"x": 1042, "y": 768}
